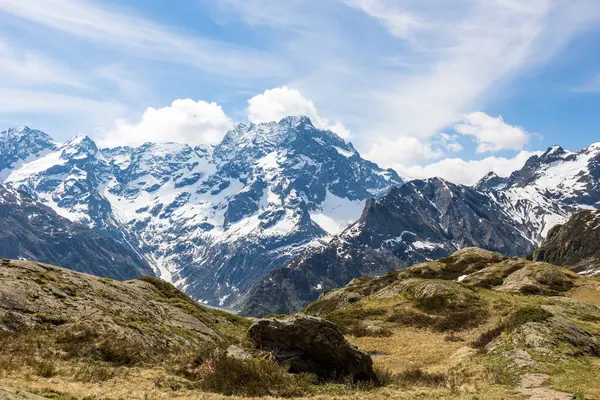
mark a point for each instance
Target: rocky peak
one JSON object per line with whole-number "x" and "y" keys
{"x": 23, "y": 132}
{"x": 491, "y": 181}
{"x": 18, "y": 145}
{"x": 79, "y": 147}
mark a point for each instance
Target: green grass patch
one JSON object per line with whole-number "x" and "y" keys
{"x": 525, "y": 315}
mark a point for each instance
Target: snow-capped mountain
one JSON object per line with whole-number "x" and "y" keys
{"x": 30, "y": 230}
{"x": 419, "y": 221}
{"x": 21, "y": 145}
{"x": 210, "y": 219}
{"x": 424, "y": 220}
{"x": 549, "y": 188}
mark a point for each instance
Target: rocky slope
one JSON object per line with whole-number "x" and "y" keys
{"x": 421, "y": 220}
{"x": 145, "y": 311}
{"x": 212, "y": 220}
{"x": 478, "y": 316}
{"x": 574, "y": 244}
{"x": 30, "y": 230}
{"x": 417, "y": 332}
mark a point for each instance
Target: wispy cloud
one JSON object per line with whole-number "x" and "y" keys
{"x": 128, "y": 32}
{"x": 592, "y": 85}
{"x": 427, "y": 65}
{"x": 32, "y": 68}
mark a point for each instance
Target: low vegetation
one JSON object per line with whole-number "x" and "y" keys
{"x": 429, "y": 337}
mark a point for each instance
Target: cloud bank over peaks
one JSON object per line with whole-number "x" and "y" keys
{"x": 417, "y": 157}
{"x": 492, "y": 134}
{"x": 275, "y": 104}
{"x": 468, "y": 172}
{"x": 185, "y": 120}
{"x": 201, "y": 122}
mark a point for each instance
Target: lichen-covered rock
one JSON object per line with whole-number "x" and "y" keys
{"x": 462, "y": 262}
{"x": 312, "y": 345}
{"x": 555, "y": 337}
{"x": 539, "y": 278}
{"x": 146, "y": 311}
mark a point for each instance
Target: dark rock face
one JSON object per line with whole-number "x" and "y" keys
{"x": 419, "y": 221}
{"x": 314, "y": 345}
{"x": 575, "y": 244}
{"x": 30, "y": 230}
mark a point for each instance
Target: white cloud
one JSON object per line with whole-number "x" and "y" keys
{"x": 427, "y": 67}
{"x": 406, "y": 150}
{"x": 275, "y": 104}
{"x": 449, "y": 142}
{"x": 185, "y": 120}
{"x": 468, "y": 172}
{"x": 492, "y": 134}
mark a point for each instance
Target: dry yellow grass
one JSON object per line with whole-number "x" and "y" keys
{"x": 407, "y": 348}
{"x": 411, "y": 348}
{"x": 586, "y": 293}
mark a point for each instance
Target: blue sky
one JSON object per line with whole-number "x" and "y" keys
{"x": 428, "y": 87}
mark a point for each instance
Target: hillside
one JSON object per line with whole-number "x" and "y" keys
{"x": 486, "y": 325}
{"x": 83, "y": 331}
{"x": 510, "y": 329}
{"x": 30, "y": 230}
{"x": 574, "y": 244}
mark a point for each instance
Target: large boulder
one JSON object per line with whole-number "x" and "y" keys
{"x": 313, "y": 345}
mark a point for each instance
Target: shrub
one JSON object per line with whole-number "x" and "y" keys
{"x": 453, "y": 338}
{"x": 119, "y": 351}
{"x": 486, "y": 337}
{"x": 45, "y": 369}
{"x": 460, "y": 320}
{"x": 349, "y": 321}
{"x": 231, "y": 377}
{"x": 412, "y": 318}
{"x": 525, "y": 315}
{"x": 530, "y": 289}
{"x": 83, "y": 342}
{"x": 91, "y": 373}
{"x": 452, "y": 321}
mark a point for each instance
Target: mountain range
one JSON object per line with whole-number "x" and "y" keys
{"x": 428, "y": 219}
{"x": 210, "y": 219}
{"x": 279, "y": 212}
